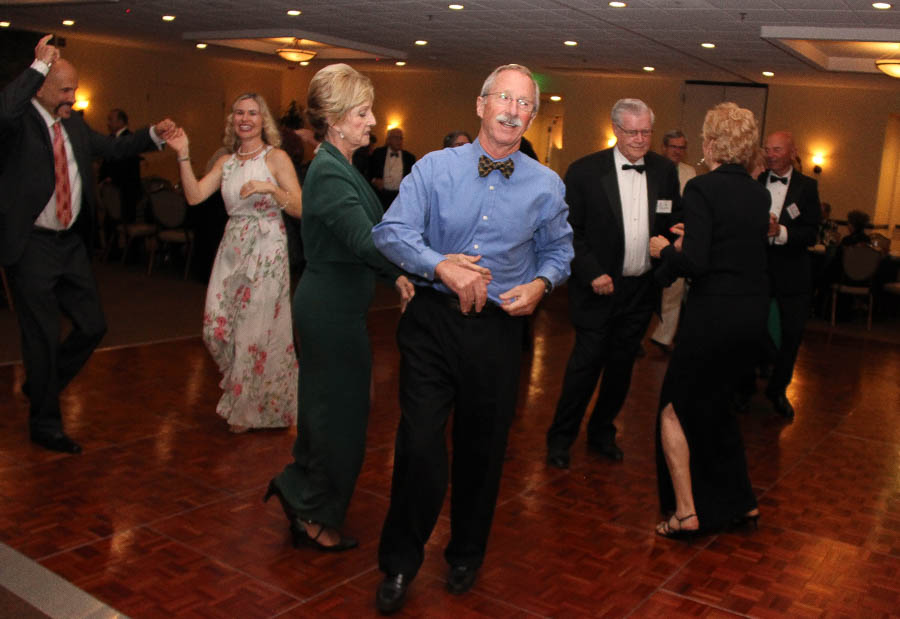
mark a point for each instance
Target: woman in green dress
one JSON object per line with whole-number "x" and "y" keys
{"x": 329, "y": 310}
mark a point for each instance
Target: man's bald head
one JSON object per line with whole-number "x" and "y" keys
{"x": 780, "y": 151}
{"x": 57, "y": 93}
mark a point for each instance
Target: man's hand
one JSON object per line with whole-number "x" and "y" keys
{"x": 468, "y": 262}
{"x": 468, "y": 284}
{"x": 165, "y": 129}
{"x": 523, "y": 299}
{"x": 773, "y": 225}
{"x": 45, "y": 52}
{"x": 177, "y": 141}
{"x": 602, "y": 285}
{"x": 407, "y": 291}
{"x": 657, "y": 244}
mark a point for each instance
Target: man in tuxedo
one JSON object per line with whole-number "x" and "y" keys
{"x": 123, "y": 173}
{"x": 618, "y": 199}
{"x": 46, "y": 219}
{"x": 795, "y": 215}
{"x": 388, "y": 165}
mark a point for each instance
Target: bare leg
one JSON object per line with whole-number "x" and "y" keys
{"x": 678, "y": 459}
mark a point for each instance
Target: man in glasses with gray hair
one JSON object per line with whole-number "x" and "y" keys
{"x": 618, "y": 199}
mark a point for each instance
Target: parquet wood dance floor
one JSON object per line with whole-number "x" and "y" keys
{"x": 161, "y": 515}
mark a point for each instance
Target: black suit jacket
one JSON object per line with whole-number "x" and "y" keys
{"x": 595, "y": 214}
{"x": 376, "y": 162}
{"x": 26, "y": 163}
{"x": 790, "y": 267}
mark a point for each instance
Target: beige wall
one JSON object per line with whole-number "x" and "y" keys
{"x": 847, "y": 125}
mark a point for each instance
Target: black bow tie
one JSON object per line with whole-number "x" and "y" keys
{"x": 778, "y": 179}
{"x": 639, "y": 168}
{"x": 395, "y": 154}
{"x": 485, "y": 165}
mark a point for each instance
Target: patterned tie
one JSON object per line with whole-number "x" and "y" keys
{"x": 485, "y": 165}
{"x": 61, "y": 170}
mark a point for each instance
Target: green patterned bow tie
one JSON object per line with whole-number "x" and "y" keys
{"x": 485, "y": 165}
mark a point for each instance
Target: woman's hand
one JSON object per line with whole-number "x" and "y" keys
{"x": 657, "y": 244}
{"x": 678, "y": 230}
{"x": 407, "y": 291}
{"x": 251, "y": 187}
{"x": 178, "y": 141}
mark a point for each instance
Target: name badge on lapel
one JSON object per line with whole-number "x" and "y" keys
{"x": 793, "y": 211}
{"x": 664, "y": 207}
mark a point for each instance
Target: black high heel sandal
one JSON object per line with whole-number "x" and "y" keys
{"x": 664, "y": 529}
{"x": 302, "y": 537}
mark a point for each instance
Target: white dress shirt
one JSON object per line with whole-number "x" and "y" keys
{"x": 635, "y": 217}
{"x": 778, "y": 191}
{"x": 47, "y": 218}
{"x": 393, "y": 170}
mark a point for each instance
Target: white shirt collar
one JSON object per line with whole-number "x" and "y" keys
{"x": 44, "y": 113}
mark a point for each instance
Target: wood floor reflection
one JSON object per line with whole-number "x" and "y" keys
{"x": 162, "y": 516}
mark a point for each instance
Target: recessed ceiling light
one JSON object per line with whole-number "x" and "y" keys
{"x": 570, "y": 43}
{"x": 555, "y": 98}
{"x": 421, "y": 42}
{"x": 168, "y": 18}
{"x": 201, "y": 45}
{"x": 304, "y": 63}
{"x": 294, "y": 12}
{"x": 455, "y": 7}
{"x": 708, "y": 45}
{"x": 881, "y": 5}
{"x": 648, "y": 69}
{"x": 4, "y": 24}
{"x": 618, "y": 5}
{"x": 68, "y": 22}
{"x": 400, "y": 63}
{"x": 768, "y": 74}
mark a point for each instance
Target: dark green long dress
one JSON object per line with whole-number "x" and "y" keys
{"x": 329, "y": 311}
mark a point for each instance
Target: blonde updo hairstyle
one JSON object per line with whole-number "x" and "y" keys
{"x": 730, "y": 134}
{"x": 334, "y": 91}
{"x": 270, "y": 133}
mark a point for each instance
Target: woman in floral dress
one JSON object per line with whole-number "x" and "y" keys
{"x": 247, "y": 319}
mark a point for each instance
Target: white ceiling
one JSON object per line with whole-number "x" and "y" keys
{"x": 665, "y": 34}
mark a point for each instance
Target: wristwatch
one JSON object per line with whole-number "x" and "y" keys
{"x": 548, "y": 287}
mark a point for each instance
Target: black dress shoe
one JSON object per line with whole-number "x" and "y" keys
{"x": 461, "y": 578}
{"x": 608, "y": 449}
{"x": 783, "y": 406}
{"x": 391, "y": 593}
{"x": 558, "y": 460}
{"x": 56, "y": 441}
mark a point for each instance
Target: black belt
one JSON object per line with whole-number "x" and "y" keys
{"x": 452, "y": 301}
{"x": 59, "y": 234}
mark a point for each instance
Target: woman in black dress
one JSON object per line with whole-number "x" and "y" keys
{"x": 701, "y": 466}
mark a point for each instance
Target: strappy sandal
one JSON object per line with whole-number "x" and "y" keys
{"x": 665, "y": 529}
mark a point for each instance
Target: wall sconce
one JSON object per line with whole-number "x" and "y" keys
{"x": 890, "y": 66}
{"x": 611, "y": 142}
{"x": 818, "y": 160}
{"x": 81, "y": 104}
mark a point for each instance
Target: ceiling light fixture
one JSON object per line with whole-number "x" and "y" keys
{"x": 294, "y": 53}
{"x": 768, "y": 74}
{"x": 890, "y": 66}
{"x": 455, "y": 7}
{"x": 68, "y": 22}
{"x": 570, "y": 43}
{"x": 881, "y": 5}
{"x": 708, "y": 45}
{"x": 421, "y": 42}
{"x": 201, "y": 46}
{"x": 555, "y": 98}
{"x": 618, "y": 5}
{"x": 168, "y": 18}
{"x": 294, "y": 12}
{"x": 304, "y": 63}
{"x": 649, "y": 69}
{"x": 4, "y": 24}
{"x": 400, "y": 63}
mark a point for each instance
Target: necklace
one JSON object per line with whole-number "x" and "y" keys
{"x": 243, "y": 154}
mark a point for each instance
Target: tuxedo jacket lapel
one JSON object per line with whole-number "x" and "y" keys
{"x": 610, "y": 182}
{"x": 652, "y": 172}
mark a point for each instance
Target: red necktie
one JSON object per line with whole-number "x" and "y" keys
{"x": 61, "y": 170}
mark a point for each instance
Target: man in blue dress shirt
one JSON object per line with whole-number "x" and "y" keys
{"x": 484, "y": 229}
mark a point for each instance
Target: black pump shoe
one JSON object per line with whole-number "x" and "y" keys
{"x": 302, "y": 538}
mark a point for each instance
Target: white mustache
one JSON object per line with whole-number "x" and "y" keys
{"x": 515, "y": 121}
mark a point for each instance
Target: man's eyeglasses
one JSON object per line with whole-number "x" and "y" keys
{"x": 633, "y": 133}
{"x": 524, "y": 104}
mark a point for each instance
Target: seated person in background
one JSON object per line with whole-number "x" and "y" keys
{"x": 857, "y": 221}
{"x": 456, "y": 138}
